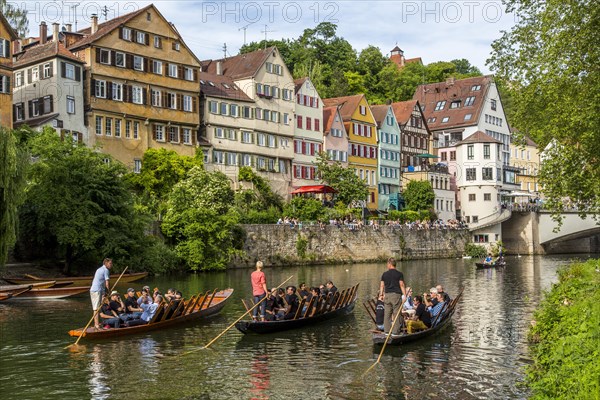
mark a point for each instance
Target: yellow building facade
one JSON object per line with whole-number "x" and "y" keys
{"x": 362, "y": 140}
{"x": 142, "y": 87}
{"x": 7, "y": 35}
{"x": 526, "y": 157}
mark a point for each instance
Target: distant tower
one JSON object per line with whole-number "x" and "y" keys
{"x": 397, "y": 56}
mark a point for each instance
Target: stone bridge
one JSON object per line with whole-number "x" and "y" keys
{"x": 538, "y": 233}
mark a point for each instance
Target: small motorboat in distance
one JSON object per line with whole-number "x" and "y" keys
{"x": 317, "y": 310}
{"x": 197, "y": 307}
{"x": 495, "y": 264}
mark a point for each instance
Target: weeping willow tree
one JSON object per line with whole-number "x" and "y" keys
{"x": 16, "y": 17}
{"x": 13, "y": 163}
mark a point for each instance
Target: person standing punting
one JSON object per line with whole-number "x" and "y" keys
{"x": 100, "y": 285}
{"x": 259, "y": 290}
{"x": 392, "y": 289}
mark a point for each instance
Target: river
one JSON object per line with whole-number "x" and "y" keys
{"x": 480, "y": 355}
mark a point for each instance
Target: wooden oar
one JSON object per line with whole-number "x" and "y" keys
{"x": 95, "y": 312}
{"x": 398, "y": 316}
{"x": 235, "y": 322}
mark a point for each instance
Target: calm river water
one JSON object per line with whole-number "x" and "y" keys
{"x": 481, "y": 355}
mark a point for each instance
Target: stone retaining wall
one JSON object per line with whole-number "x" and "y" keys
{"x": 283, "y": 245}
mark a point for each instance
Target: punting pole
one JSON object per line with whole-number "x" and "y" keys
{"x": 96, "y": 312}
{"x": 398, "y": 316}
{"x": 235, "y": 322}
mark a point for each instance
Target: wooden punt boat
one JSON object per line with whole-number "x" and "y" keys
{"x": 197, "y": 307}
{"x": 53, "y": 293}
{"x": 445, "y": 319}
{"x": 75, "y": 280}
{"x": 491, "y": 265}
{"x": 13, "y": 288}
{"x": 341, "y": 303}
{"x": 10, "y": 295}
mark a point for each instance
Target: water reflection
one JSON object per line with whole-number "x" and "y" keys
{"x": 98, "y": 377}
{"x": 260, "y": 377}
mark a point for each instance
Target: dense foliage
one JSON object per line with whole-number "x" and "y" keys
{"x": 199, "y": 222}
{"x": 305, "y": 209}
{"x": 549, "y": 62}
{"x": 348, "y": 185}
{"x": 78, "y": 207}
{"x": 161, "y": 170}
{"x": 566, "y": 335}
{"x": 255, "y": 202}
{"x": 336, "y": 69}
{"x": 475, "y": 250}
{"x": 13, "y": 165}
{"x": 418, "y": 195}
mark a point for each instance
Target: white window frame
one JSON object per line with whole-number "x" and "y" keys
{"x": 123, "y": 57}
{"x": 137, "y": 96}
{"x": 173, "y": 70}
{"x": 105, "y": 52}
{"x": 157, "y": 67}
{"x": 117, "y": 91}
{"x": 98, "y": 125}
{"x": 35, "y": 74}
{"x": 140, "y": 37}
{"x": 156, "y": 98}
{"x": 159, "y": 132}
{"x": 70, "y": 105}
{"x": 118, "y": 125}
{"x": 173, "y": 99}
{"x": 247, "y": 137}
{"x": 126, "y": 34}
{"x": 186, "y": 135}
{"x": 187, "y": 103}
{"x": 138, "y": 63}
{"x": 108, "y": 126}
{"x": 100, "y": 89}
{"x": 188, "y": 73}
{"x": 47, "y": 70}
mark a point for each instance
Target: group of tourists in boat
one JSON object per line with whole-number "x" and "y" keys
{"x": 414, "y": 313}
{"x": 137, "y": 308}
{"x": 277, "y": 304}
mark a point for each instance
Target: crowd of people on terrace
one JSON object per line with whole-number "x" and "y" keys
{"x": 351, "y": 223}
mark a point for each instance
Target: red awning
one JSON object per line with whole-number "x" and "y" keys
{"x": 314, "y": 189}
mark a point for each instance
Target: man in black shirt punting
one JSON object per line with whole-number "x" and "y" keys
{"x": 392, "y": 289}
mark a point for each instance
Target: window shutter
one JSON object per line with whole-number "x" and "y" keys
{"x": 29, "y": 75}
{"x": 145, "y": 96}
{"x": 180, "y": 72}
{"x": 194, "y": 135}
{"x": 147, "y": 38}
{"x": 163, "y": 99}
{"x": 93, "y": 88}
{"x": 97, "y": 55}
{"x": 14, "y": 112}
{"x": 195, "y": 75}
{"x": 51, "y": 72}
{"x": 154, "y": 131}
{"x": 129, "y": 61}
{"x": 121, "y": 33}
{"x": 109, "y": 90}
{"x": 173, "y": 45}
{"x": 79, "y": 137}
{"x": 168, "y": 100}
{"x": 180, "y": 102}
{"x": 78, "y": 74}
{"x": 30, "y": 108}
{"x": 194, "y": 104}
{"x": 146, "y": 63}
{"x": 63, "y": 69}
{"x": 113, "y": 58}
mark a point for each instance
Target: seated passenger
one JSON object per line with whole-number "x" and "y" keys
{"x": 440, "y": 289}
{"x": 379, "y": 312}
{"x": 132, "y": 307}
{"x": 145, "y": 292}
{"x": 421, "y": 320}
{"x": 436, "y": 309}
{"x": 488, "y": 259}
{"x": 109, "y": 317}
{"x": 303, "y": 292}
{"x": 150, "y": 309}
{"x": 170, "y": 295}
{"x": 331, "y": 287}
{"x": 291, "y": 303}
{"x": 323, "y": 290}
{"x": 117, "y": 305}
{"x": 408, "y": 304}
{"x": 274, "y": 304}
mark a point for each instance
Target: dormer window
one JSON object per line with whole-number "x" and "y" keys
{"x": 469, "y": 101}
{"x": 445, "y": 119}
{"x": 440, "y": 105}
{"x": 475, "y": 88}
{"x": 455, "y": 104}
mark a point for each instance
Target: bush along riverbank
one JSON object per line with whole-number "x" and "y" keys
{"x": 565, "y": 339}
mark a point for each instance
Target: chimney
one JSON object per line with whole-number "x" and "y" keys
{"x": 450, "y": 81}
{"x": 43, "y": 32}
{"x": 94, "y": 27}
{"x": 69, "y": 27}
{"x": 219, "y": 68}
{"x": 17, "y": 45}
{"x": 55, "y": 27}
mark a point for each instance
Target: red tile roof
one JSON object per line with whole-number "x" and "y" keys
{"x": 348, "y": 104}
{"x": 328, "y": 118}
{"x": 478, "y": 137}
{"x": 429, "y": 95}
{"x": 40, "y": 52}
{"x": 380, "y": 113}
{"x": 240, "y": 66}
{"x": 412, "y": 60}
{"x": 403, "y": 110}
{"x": 106, "y": 27}
{"x": 218, "y": 88}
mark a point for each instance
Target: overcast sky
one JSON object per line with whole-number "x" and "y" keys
{"x": 432, "y": 30}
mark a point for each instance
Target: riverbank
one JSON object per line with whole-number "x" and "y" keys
{"x": 565, "y": 337}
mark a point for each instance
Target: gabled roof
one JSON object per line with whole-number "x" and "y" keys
{"x": 478, "y": 137}
{"x": 413, "y": 60}
{"x": 457, "y": 90}
{"x": 40, "y": 52}
{"x": 35, "y": 122}
{"x": 241, "y": 66}
{"x": 9, "y": 29}
{"x": 396, "y": 48}
{"x": 221, "y": 86}
{"x": 403, "y": 110}
{"x": 380, "y": 112}
{"x": 106, "y": 27}
{"x": 348, "y": 104}
{"x": 298, "y": 83}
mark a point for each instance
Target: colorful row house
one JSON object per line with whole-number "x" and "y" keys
{"x": 388, "y": 166}
{"x": 7, "y": 35}
{"x": 362, "y": 141}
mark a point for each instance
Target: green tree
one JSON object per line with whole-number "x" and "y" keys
{"x": 77, "y": 205}
{"x": 199, "y": 221}
{"x": 161, "y": 170}
{"x": 16, "y": 17}
{"x": 549, "y": 60}
{"x": 418, "y": 195}
{"x": 305, "y": 209}
{"x": 349, "y": 187}
{"x": 13, "y": 166}
{"x": 465, "y": 69}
